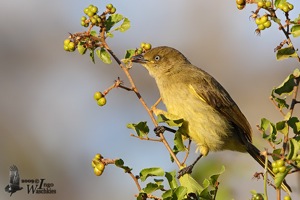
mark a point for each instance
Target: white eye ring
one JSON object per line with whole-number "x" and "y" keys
{"x": 157, "y": 58}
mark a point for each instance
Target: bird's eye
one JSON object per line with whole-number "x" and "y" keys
{"x": 157, "y": 58}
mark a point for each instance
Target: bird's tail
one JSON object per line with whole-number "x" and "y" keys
{"x": 255, "y": 153}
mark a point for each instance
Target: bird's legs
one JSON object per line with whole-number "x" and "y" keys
{"x": 189, "y": 169}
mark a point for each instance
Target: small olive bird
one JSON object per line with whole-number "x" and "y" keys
{"x": 211, "y": 118}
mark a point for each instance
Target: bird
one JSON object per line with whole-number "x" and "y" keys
{"x": 14, "y": 180}
{"x": 211, "y": 117}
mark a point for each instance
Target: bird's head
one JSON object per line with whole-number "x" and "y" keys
{"x": 161, "y": 60}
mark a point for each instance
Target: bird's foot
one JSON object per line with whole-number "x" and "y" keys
{"x": 186, "y": 170}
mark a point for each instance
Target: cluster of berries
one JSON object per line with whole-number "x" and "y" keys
{"x": 143, "y": 47}
{"x": 285, "y": 7}
{"x": 100, "y": 98}
{"x": 264, "y": 4}
{"x": 97, "y": 165}
{"x": 68, "y": 45}
{"x": 263, "y": 22}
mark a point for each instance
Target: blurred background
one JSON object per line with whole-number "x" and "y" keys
{"x": 51, "y": 127}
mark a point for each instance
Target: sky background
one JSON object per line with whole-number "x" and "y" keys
{"x": 51, "y": 127}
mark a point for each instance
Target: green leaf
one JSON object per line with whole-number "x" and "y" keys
{"x": 171, "y": 177}
{"x": 112, "y": 20}
{"x": 279, "y": 177}
{"x": 152, "y": 187}
{"x": 174, "y": 123}
{"x": 294, "y": 123}
{"x": 294, "y": 148}
{"x": 120, "y": 163}
{"x": 265, "y": 125}
{"x": 93, "y": 33}
{"x": 287, "y": 86}
{"x": 154, "y": 171}
{"x": 180, "y": 192}
{"x": 190, "y": 183}
{"x": 81, "y": 49}
{"x": 295, "y": 30}
{"x": 104, "y": 56}
{"x": 92, "y": 55}
{"x": 214, "y": 178}
{"x": 124, "y": 26}
{"x": 178, "y": 142}
{"x": 281, "y": 102}
{"x": 287, "y": 52}
{"x": 276, "y": 152}
{"x": 141, "y": 128}
{"x": 282, "y": 127}
{"x": 167, "y": 195}
{"x": 109, "y": 34}
{"x": 129, "y": 53}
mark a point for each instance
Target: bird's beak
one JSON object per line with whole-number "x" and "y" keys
{"x": 138, "y": 59}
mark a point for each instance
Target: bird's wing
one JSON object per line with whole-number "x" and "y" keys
{"x": 14, "y": 177}
{"x": 223, "y": 103}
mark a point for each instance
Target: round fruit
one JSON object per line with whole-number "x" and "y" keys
{"x": 97, "y": 172}
{"x": 280, "y": 163}
{"x": 94, "y": 9}
{"x": 82, "y": 23}
{"x": 268, "y": 4}
{"x": 66, "y": 48}
{"x": 90, "y": 14}
{"x": 101, "y": 101}
{"x": 98, "y": 95}
{"x": 261, "y": 27}
{"x": 142, "y": 44}
{"x": 275, "y": 170}
{"x": 258, "y": 20}
{"x": 240, "y": 2}
{"x": 287, "y": 198}
{"x": 93, "y": 164}
{"x": 98, "y": 156}
{"x": 113, "y": 10}
{"x": 240, "y": 7}
{"x": 86, "y": 10}
{"x": 83, "y": 18}
{"x": 147, "y": 46}
{"x": 109, "y": 6}
{"x": 267, "y": 24}
{"x": 67, "y": 41}
{"x": 260, "y": 4}
{"x": 291, "y": 6}
{"x": 94, "y": 21}
{"x": 280, "y": 6}
{"x": 100, "y": 166}
{"x": 263, "y": 19}
{"x": 285, "y": 8}
{"x": 282, "y": 169}
{"x": 274, "y": 164}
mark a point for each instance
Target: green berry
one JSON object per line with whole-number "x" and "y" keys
{"x": 142, "y": 44}
{"x": 71, "y": 46}
{"x": 109, "y": 6}
{"x": 86, "y": 10}
{"x": 82, "y": 23}
{"x": 98, "y": 95}
{"x": 258, "y": 20}
{"x": 291, "y": 6}
{"x": 90, "y": 14}
{"x": 261, "y": 27}
{"x": 100, "y": 166}
{"x": 97, "y": 172}
{"x": 260, "y": 4}
{"x": 98, "y": 156}
{"x": 286, "y": 8}
{"x": 240, "y": 7}
{"x": 113, "y": 10}
{"x": 83, "y": 18}
{"x": 268, "y": 4}
{"x": 90, "y": 7}
{"x": 67, "y": 41}
{"x": 101, "y": 101}
{"x": 94, "y": 21}
{"x": 263, "y": 19}
{"x": 94, "y": 9}
{"x": 282, "y": 169}
{"x": 280, "y": 6}
{"x": 274, "y": 164}
{"x": 240, "y": 2}
{"x": 66, "y": 48}
{"x": 275, "y": 170}
{"x": 280, "y": 163}
{"x": 147, "y": 46}
{"x": 287, "y": 198}
{"x": 267, "y": 24}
